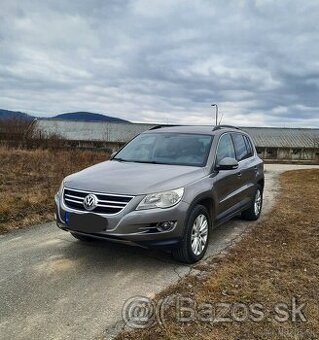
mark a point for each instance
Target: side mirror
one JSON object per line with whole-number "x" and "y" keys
{"x": 227, "y": 163}
{"x": 113, "y": 154}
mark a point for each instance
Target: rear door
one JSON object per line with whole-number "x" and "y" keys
{"x": 247, "y": 166}
{"x": 227, "y": 183}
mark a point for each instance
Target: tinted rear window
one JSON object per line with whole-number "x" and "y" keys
{"x": 249, "y": 146}
{"x": 240, "y": 146}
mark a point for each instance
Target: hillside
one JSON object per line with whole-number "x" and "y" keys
{"x": 88, "y": 116}
{"x": 83, "y": 116}
{"x": 6, "y": 114}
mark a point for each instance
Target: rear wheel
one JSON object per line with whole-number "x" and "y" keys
{"x": 82, "y": 238}
{"x": 195, "y": 241}
{"x": 254, "y": 211}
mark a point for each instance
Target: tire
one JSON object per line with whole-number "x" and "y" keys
{"x": 82, "y": 238}
{"x": 185, "y": 251}
{"x": 254, "y": 211}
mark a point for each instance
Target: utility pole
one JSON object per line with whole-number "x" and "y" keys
{"x": 216, "y": 114}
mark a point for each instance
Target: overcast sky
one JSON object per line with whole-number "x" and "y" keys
{"x": 163, "y": 61}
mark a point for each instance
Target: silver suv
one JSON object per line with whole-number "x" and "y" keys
{"x": 168, "y": 187}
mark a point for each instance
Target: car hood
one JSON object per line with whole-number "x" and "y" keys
{"x": 133, "y": 178}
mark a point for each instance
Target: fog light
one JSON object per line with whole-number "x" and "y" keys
{"x": 165, "y": 226}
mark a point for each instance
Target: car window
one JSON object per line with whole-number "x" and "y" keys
{"x": 240, "y": 146}
{"x": 167, "y": 148}
{"x": 249, "y": 146}
{"x": 225, "y": 148}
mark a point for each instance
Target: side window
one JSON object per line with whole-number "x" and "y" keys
{"x": 225, "y": 148}
{"x": 240, "y": 146}
{"x": 249, "y": 146}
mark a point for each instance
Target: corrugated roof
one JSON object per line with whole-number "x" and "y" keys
{"x": 284, "y": 137}
{"x": 123, "y": 132}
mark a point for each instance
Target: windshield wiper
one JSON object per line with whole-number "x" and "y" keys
{"x": 120, "y": 159}
{"x": 134, "y": 161}
{"x": 150, "y": 162}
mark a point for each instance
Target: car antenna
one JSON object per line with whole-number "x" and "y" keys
{"x": 216, "y": 114}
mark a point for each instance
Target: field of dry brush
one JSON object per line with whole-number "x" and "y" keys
{"x": 29, "y": 180}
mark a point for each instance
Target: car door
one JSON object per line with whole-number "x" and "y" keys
{"x": 227, "y": 183}
{"x": 246, "y": 167}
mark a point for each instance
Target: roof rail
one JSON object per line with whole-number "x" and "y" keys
{"x": 218, "y": 127}
{"x": 161, "y": 126}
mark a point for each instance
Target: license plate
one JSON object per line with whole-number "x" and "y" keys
{"x": 88, "y": 223}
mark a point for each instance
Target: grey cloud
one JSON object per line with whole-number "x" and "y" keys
{"x": 163, "y": 61}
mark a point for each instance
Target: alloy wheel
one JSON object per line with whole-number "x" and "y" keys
{"x": 257, "y": 203}
{"x": 199, "y": 234}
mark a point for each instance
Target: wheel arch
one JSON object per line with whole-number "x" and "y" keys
{"x": 206, "y": 200}
{"x": 261, "y": 182}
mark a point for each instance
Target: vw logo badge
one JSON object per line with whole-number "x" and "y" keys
{"x": 90, "y": 202}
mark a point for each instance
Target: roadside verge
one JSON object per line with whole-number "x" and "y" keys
{"x": 266, "y": 286}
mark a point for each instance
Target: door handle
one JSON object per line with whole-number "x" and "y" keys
{"x": 239, "y": 174}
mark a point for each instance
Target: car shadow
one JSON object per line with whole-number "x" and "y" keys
{"x": 106, "y": 253}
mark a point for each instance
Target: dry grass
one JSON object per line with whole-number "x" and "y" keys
{"x": 278, "y": 260}
{"x": 30, "y": 178}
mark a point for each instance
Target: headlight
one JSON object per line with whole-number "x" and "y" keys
{"x": 164, "y": 199}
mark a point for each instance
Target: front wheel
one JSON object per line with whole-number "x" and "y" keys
{"x": 254, "y": 211}
{"x": 194, "y": 244}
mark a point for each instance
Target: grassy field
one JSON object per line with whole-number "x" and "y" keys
{"x": 29, "y": 180}
{"x": 276, "y": 263}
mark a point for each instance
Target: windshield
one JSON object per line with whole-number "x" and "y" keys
{"x": 167, "y": 148}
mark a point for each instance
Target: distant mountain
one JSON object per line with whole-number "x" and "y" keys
{"x": 84, "y": 116}
{"x": 6, "y": 114}
{"x": 89, "y": 117}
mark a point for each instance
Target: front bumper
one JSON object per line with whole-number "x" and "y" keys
{"x": 133, "y": 226}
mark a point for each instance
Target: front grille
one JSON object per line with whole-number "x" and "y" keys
{"x": 106, "y": 203}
